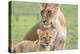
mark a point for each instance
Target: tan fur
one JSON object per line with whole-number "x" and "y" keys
{"x": 58, "y": 20}
{"x": 45, "y": 36}
{"x": 46, "y": 39}
{"x": 50, "y": 12}
{"x": 32, "y": 35}
{"x": 23, "y": 46}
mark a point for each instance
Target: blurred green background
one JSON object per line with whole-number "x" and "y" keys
{"x": 24, "y": 15}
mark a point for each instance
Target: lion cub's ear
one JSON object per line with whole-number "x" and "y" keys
{"x": 57, "y": 5}
{"x": 42, "y": 6}
{"x": 53, "y": 5}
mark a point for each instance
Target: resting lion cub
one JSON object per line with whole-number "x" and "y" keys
{"x": 46, "y": 37}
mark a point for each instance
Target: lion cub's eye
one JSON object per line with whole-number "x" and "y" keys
{"x": 50, "y": 37}
{"x": 44, "y": 37}
{"x": 49, "y": 11}
{"x": 51, "y": 22}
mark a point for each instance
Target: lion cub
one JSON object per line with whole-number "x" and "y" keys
{"x": 45, "y": 39}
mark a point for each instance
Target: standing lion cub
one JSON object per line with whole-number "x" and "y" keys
{"x": 46, "y": 38}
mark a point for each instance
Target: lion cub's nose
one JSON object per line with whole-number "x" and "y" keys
{"x": 47, "y": 43}
{"x": 44, "y": 21}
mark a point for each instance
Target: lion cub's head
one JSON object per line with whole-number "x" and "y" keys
{"x": 46, "y": 36}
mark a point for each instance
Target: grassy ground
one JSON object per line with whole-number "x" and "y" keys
{"x": 71, "y": 14}
{"x": 20, "y": 27}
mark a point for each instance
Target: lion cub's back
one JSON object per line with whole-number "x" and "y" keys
{"x": 24, "y": 46}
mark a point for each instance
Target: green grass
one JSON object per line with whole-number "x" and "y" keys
{"x": 71, "y": 14}
{"x": 21, "y": 26}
